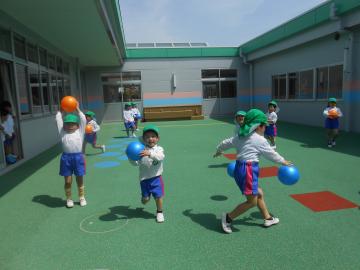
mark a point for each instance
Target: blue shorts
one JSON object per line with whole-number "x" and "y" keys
{"x": 129, "y": 125}
{"x": 271, "y": 130}
{"x": 332, "y": 123}
{"x": 152, "y": 186}
{"x": 246, "y": 177}
{"x": 91, "y": 138}
{"x": 9, "y": 141}
{"x": 72, "y": 163}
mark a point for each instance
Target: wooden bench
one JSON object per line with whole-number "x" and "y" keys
{"x": 173, "y": 112}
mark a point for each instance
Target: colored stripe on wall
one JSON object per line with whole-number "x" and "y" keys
{"x": 171, "y": 102}
{"x": 157, "y": 95}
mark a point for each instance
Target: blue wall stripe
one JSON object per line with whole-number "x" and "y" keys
{"x": 175, "y": 101}
{"x": 351, "y": 95}
{"x": 95, "y": 104}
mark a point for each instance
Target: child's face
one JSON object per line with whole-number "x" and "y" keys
{"x": 151, "y": 138}
{"x": 240, "y": 119}
{"x": 332, "y": 104}
{"x": 88, "y": 118}
{"x": 4, "y": 118}
{"x": 271, "y": 108}
{"x": 70, "y": 127}
{"x": 261, "y": 129}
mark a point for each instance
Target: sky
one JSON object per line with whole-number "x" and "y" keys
{"x": 217, "y": 22}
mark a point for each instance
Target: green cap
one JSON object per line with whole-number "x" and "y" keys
{"x": 133, "y": 104}
{"x": 152, "y": 128}
{"x": 127, "y": 104}
{"x": 71, "y": 118}
{"x": 273, "y": 102}
{"x": 332, "y": 99}
{"x": 90, "y": 113}
{"x": 240, "y": 113}
{"x": 253, "y": 119}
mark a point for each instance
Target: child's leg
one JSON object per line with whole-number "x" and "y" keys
{"x": 67, "y": 187}
{"x": 97, "y": 146}
{"x": 145, "y": 200}
{"x": 251, "y": 201}
{"x": 261, "y": 205}
{"x": 272, "y": 140}
{"x": 329, "y": 134}
{"x": 128, "y": 132}
{"x": 159, "y": 204}
{"x": 80, "y": 184}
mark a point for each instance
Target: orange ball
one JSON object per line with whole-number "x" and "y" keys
{"x": 69, "y": 104}
{"x": 333, "y": 113}
{"x": 88, "y": 129}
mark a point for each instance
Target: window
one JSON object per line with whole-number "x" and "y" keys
{"x": 322, "y": 82}
{"x": 66, "y": 68}
{"x": 67, "y": 90}
{"x": 306, "y": 87}
{"x": 60, "y": 85}
{"x": 228, "y": 89}
{"x": 211, "y": 90}
{"x": 131, "y": 76}
{"x": 5, "y": 41}
{"x": 111, "y": 78}
{"x": 35, "y": 90}
{"x": 335, "y": 81}
{"x": 45, "y": 90}
{"x": 32, "y": 53}
{"x": 210, "y": 73}
{"x": 111, "y": 93}
{"x": 59, "y": 66}
{"x": 51, "y": 59}
{"x": 43, "y": 57}
{"x": 293, "y": 85}
{"x": 132, "y": 92}
{"x": 55, "y": 93}
{"x": 228, "y": 73}
{"x": 21, "y": 75}
{"x": 19, "y": 43}
{"x": 279, "y": 86}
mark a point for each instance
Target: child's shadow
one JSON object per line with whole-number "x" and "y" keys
{"x": 118, "y": 212}
{"x": 214, "y": 166}
{"x": 49, "y": 201}
{"x": 213, "y": 223}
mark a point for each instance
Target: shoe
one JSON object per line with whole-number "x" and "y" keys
{"x": 83, "y": 202}
{"x": 133, "y": 136}
{"x": 270, "y": 222}
{"x": 137, "y": 129}
{"x": 225, "y": 226}
{"x": 160, "y": 217}
{"x": 69, "y": 203}
{"x": 103, "y": 148}
{"x": 329, "y": 144}
{"x": 333, "y": 143}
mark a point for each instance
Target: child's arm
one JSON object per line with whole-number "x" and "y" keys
{"x": 272, "y": 118}
{"x": 340, "y": 114}
{"x": 96, "y": 127}
{"x": 59, "y": 121}
{"x": 326, "y": 112}
{"x": 82, "y": 123}
{"x": 157, "y": 154}
{"x": 270, "y": 154}
{"x": 224, "y": 145}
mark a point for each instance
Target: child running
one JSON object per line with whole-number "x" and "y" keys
{"x": 91, "y": 137}
{"x": 71, "y": 128}
{"x": 151, "y": 169}
{"x": 250, "y": 144}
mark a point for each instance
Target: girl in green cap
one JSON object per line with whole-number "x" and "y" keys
{"x": 332, "y": 114}
{"x": 250, "y": 144}
{"x": 271, "y": 129}
{"x": 90, "y": 137}
{"x": 72, "y": 132}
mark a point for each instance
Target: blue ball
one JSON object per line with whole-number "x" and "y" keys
{"x": 231, "y": 169}
{"x": 133, "y": 150}
{"x": 288, "y": 175}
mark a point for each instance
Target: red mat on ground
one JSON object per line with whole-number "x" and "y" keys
{"x": 323, "y": 201}
{"x": 230, "y": 156}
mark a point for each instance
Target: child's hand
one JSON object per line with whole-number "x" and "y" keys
{"x": 145, "y": 153}
{"x": 287, "y": 163}
{"x": 217, "y": 154}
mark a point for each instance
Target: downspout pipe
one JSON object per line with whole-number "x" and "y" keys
{"x": 251, "y": 76}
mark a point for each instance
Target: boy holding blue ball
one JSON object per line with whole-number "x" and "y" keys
{"x": 250, "y": 144}
{"x": 151, "y": 169}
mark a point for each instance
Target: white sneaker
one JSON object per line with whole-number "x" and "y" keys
{"x": 103, "y": 148}
{"x": 137, "y": 129}
{"x": 69, "y": 203}
{"x": 160, "y": 217}
{"x": 83, "y": 202}
{"x": 333, "y": 143}
{"x": 133, "y": 136}
{"x": 225, "y": 226}
{"x": 329, "y": 145}
{"x": 270, "y": 222}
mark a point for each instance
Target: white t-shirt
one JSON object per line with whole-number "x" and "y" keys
{"x": 128, "y": 116}
{"x": 272, "y": 117}
{"x": 95, "y": 125}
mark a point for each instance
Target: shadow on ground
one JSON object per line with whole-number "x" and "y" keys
{"x": 118, "y": 212}
{"x": 52, "y": 202}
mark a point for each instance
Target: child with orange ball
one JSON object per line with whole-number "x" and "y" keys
{"x": 332, "y": 114}
{"x": 91, "y": 129}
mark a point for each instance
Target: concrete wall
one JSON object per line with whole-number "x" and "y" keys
{"x": 156, "y": 83}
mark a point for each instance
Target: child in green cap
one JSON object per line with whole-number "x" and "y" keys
{"x": 91, "y": 137}
{"x": 271, "y": 129}
{"x": 332, "y": 114}
{"x": 151, "y": 169}
{"x": 250, "y": 144}
{"x": 239, "y": 120}
{"x": 136, "y": 113}
{"x": 72, "y": 131}
{"x": 129, "y": 121}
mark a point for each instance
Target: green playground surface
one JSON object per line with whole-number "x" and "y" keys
{"x": 115, "y": 231}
